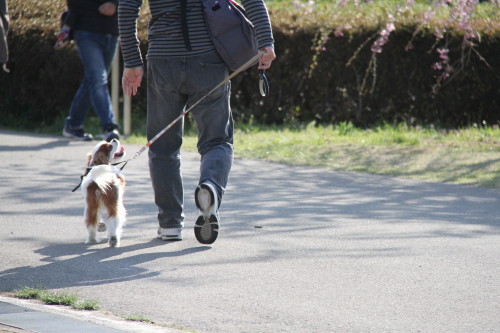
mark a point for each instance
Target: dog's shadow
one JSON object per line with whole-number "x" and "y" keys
{"x": 71, "y": 265}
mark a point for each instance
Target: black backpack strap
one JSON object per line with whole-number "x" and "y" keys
{"x": 184, "y": 26}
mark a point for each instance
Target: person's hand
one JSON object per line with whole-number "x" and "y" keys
{"x": 63, "y": 38}
{"x": 107, "y": 8}
{"x": 267, "y": 58}
{"x": 131, "y": 80}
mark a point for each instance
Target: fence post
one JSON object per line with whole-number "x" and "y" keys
{"x": 115, "y": 96}
{"x": 127, "y": 114}
{"x": 115, "y": 85}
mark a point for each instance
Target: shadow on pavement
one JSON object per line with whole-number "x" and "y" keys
{"x": 79, "y": 264}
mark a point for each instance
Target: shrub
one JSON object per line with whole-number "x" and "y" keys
{"x": 356, "y": 61}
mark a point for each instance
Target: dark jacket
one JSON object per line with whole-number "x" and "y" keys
{"x": 84, "y": 15}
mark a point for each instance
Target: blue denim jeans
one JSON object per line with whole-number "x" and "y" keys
{"x": 173, "y": 84}
{"x": 96, "y": 52}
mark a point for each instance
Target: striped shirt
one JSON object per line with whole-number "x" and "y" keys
{"x": 165, "y": 34}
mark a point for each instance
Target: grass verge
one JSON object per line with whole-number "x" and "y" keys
{"x": 71, "y": 300}
{"x": 469, "y": 156}
{"x": 145, "y": 320}
{"x": 139, "y": 319}
{"x": 53, "y": 298}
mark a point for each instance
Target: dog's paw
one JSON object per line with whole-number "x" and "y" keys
{"x": 101, "y": 227}
{"x": 91, "y": 241}
{"x": 114, "y": 241}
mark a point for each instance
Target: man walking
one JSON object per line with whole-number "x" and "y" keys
{"x": 182, "y": 66}
{"x": 95, "y": 27}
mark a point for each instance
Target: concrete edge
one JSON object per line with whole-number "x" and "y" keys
{"x": 98, "y": 317}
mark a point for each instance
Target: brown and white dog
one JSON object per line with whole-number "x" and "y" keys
{"x": 103, "y": 188}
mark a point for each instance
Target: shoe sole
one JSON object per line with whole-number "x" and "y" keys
{"x": 71, "y": 136}
{"x": 206, "y": 228}
{"x": 204, "y": 198}
{"x": 169, "y": 237}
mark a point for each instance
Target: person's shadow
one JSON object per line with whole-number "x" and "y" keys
{"x": 72, "y": 265}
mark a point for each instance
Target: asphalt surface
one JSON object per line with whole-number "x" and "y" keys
{"x": 300, "y": 249}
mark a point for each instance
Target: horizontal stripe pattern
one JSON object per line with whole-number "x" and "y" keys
{"x": 165, "y": 34}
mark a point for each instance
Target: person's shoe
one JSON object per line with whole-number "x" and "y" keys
{"x": 206, "y": 228}
{"x": 169, "y": 234}
{"x": 77, "y": 134}
{"x": 114, "y": 134}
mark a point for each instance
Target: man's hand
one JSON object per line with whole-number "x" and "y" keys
{"x": 131, "y": 80}
{"x": 267, "y": 58}
{"x": 107, "y": 8}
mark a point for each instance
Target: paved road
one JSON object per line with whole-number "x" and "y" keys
{"x": 300, "y": 249}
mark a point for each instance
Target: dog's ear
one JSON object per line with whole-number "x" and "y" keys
{"x": 89, "y": 156}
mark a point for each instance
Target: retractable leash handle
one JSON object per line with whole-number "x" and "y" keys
{"x": 263, "y": 83}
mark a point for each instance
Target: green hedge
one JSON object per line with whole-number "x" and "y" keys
{"x": 42, "y": 81}
{"x": 400, "y": 89}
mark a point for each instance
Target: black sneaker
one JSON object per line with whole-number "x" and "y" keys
{"x": 77, "y": 134}
{"x": 114, "y": 134}
{"x": 206, "y": 228}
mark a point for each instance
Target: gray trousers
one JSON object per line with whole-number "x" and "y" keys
{"x": 175, "y": 83}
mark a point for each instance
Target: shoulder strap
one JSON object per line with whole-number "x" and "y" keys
{"x": 184, "y": 26}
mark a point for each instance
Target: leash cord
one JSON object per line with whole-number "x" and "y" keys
{"x": 166, "y": 128}
{"x": 81, "y": 179}
{"x": 89, "y": 169}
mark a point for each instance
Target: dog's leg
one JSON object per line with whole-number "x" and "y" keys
{"x": 91, "y": 228}
{"x": 120, "y": 220}
{"x": 114, "y": 236}
{"x": 91, "y": 214}
{"x": 116, "y": 214}
{"x": 115, "y": 227}
{"x": 115, "y": 222}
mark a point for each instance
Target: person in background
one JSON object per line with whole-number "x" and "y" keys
{"x": 183, "y": 67}
{"x": 94, "y": 26}
{"x": 4, "y": 30}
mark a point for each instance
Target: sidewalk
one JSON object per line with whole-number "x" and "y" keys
{"x": 299, "y": 250}
{"x": 17, "y": 316}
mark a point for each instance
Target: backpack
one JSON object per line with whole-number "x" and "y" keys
{"x": 232, "y": 33}
{"x": 230, "y": 30}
